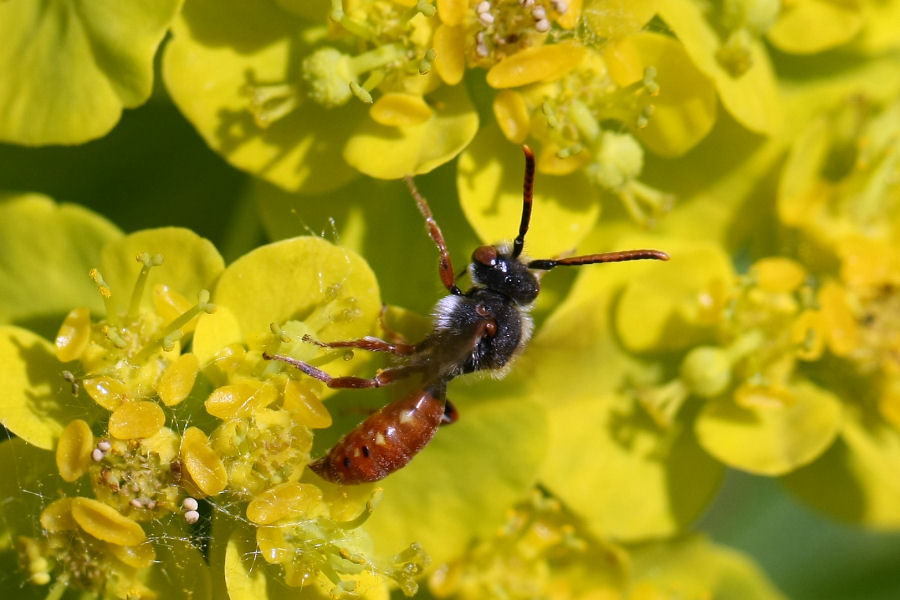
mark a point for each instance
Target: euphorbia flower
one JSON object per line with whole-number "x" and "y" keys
{"x": 307, "y": 96}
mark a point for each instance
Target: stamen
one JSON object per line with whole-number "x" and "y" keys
{"x": 172, "y": 334}
{"x": 105, "y": 293}
{"x": 147, "y": 262}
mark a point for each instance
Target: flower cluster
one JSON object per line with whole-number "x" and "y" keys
{"x": 152, "y": 446}
{"x": 169, "y": 439}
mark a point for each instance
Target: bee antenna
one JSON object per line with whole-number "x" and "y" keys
{"x": 527, "y": 201}
{"x": 590, "y": 259}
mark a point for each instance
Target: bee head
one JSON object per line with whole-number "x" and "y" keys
{"x": 504, "y": 273}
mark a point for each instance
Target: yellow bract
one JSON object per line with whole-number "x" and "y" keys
{"x": 240, "y": 399}
{"x": 752, "y": 96}
{"x": 684, "y": 108}
{"x": 672, "y": 304}
{"x": 73, "y": 451}
{"x": 170, "y": 305}
{"x": 74, "y": 335}
{"x": 58, "y": 516}
{"x": 106, "y": 391}
{"x": 288, "y": 500}
{"x": 106, "y": 523}
{"x": 202, "y": 463}
{"x": 770, "y": 431}
{"x": 178, "y": 379}
{"x": 396, "y": 109}
{"x": 450, "y": 59}
{"x": 810, "y": 26}
{"x": 305, "y": 405}
{"x": 136, "y": 419}
{"x": 512, "y": 115}
{"x": 539, "y": 63}
{"x": 778, "y": 274}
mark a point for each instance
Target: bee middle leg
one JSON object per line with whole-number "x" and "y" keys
{"x": 372, "y": 344}
{"x": 384, "y": 377}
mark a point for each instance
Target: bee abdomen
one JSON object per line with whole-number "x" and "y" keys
{"x": 385, "y": 441}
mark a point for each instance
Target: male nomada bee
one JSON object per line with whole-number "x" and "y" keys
{"x": 481, "y": 329}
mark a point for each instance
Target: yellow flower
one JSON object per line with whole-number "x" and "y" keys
{"x": 307, "y": 97}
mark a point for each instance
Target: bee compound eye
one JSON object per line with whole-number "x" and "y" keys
{"x": 485, "y": 255}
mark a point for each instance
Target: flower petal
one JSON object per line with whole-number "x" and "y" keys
{"x": 48, "y": 250}
{"x": 392, "y": 152}
{"x": 752, "y": 97}
{"x": 471, "y": 473}
{"x": 69, "y": 68}
{"x": 771, "y": 437}
{"x": 190, "y": 263}
{"x": 489, "y": 179}
{"x": 36, "y": 403}
{"x": 218, "y": 48}
{"x": 684, "y": 111}
{"x": 290, "y": 279}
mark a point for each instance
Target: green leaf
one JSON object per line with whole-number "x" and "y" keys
{"x": 69, "y": 68}
{"x": 46, "y": 252}
{"x": 771, "y": 438}
{"x": 489, "y": 179}
{"x": 36, "y": 403}
{"x": 190, "y": 264}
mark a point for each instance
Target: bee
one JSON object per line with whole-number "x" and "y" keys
{"x": 481, "y": 329}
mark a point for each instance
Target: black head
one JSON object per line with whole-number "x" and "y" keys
{"x": 501, "y": 270}
{"x": 504, "y": 273}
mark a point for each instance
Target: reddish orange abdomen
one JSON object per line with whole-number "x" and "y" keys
{"x": 385, "y": 441}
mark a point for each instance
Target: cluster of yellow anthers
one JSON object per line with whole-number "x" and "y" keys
{"x": 769, "y": 320}
{"x": 839, "y": 191}
{"x": 141, "y": 471}
{"x": 396, "y": 45}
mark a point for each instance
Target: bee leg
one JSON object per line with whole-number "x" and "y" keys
{"x": 372, "y": 344}
{"x": 385, "y": 377}
{"x": 445, "y": 267}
